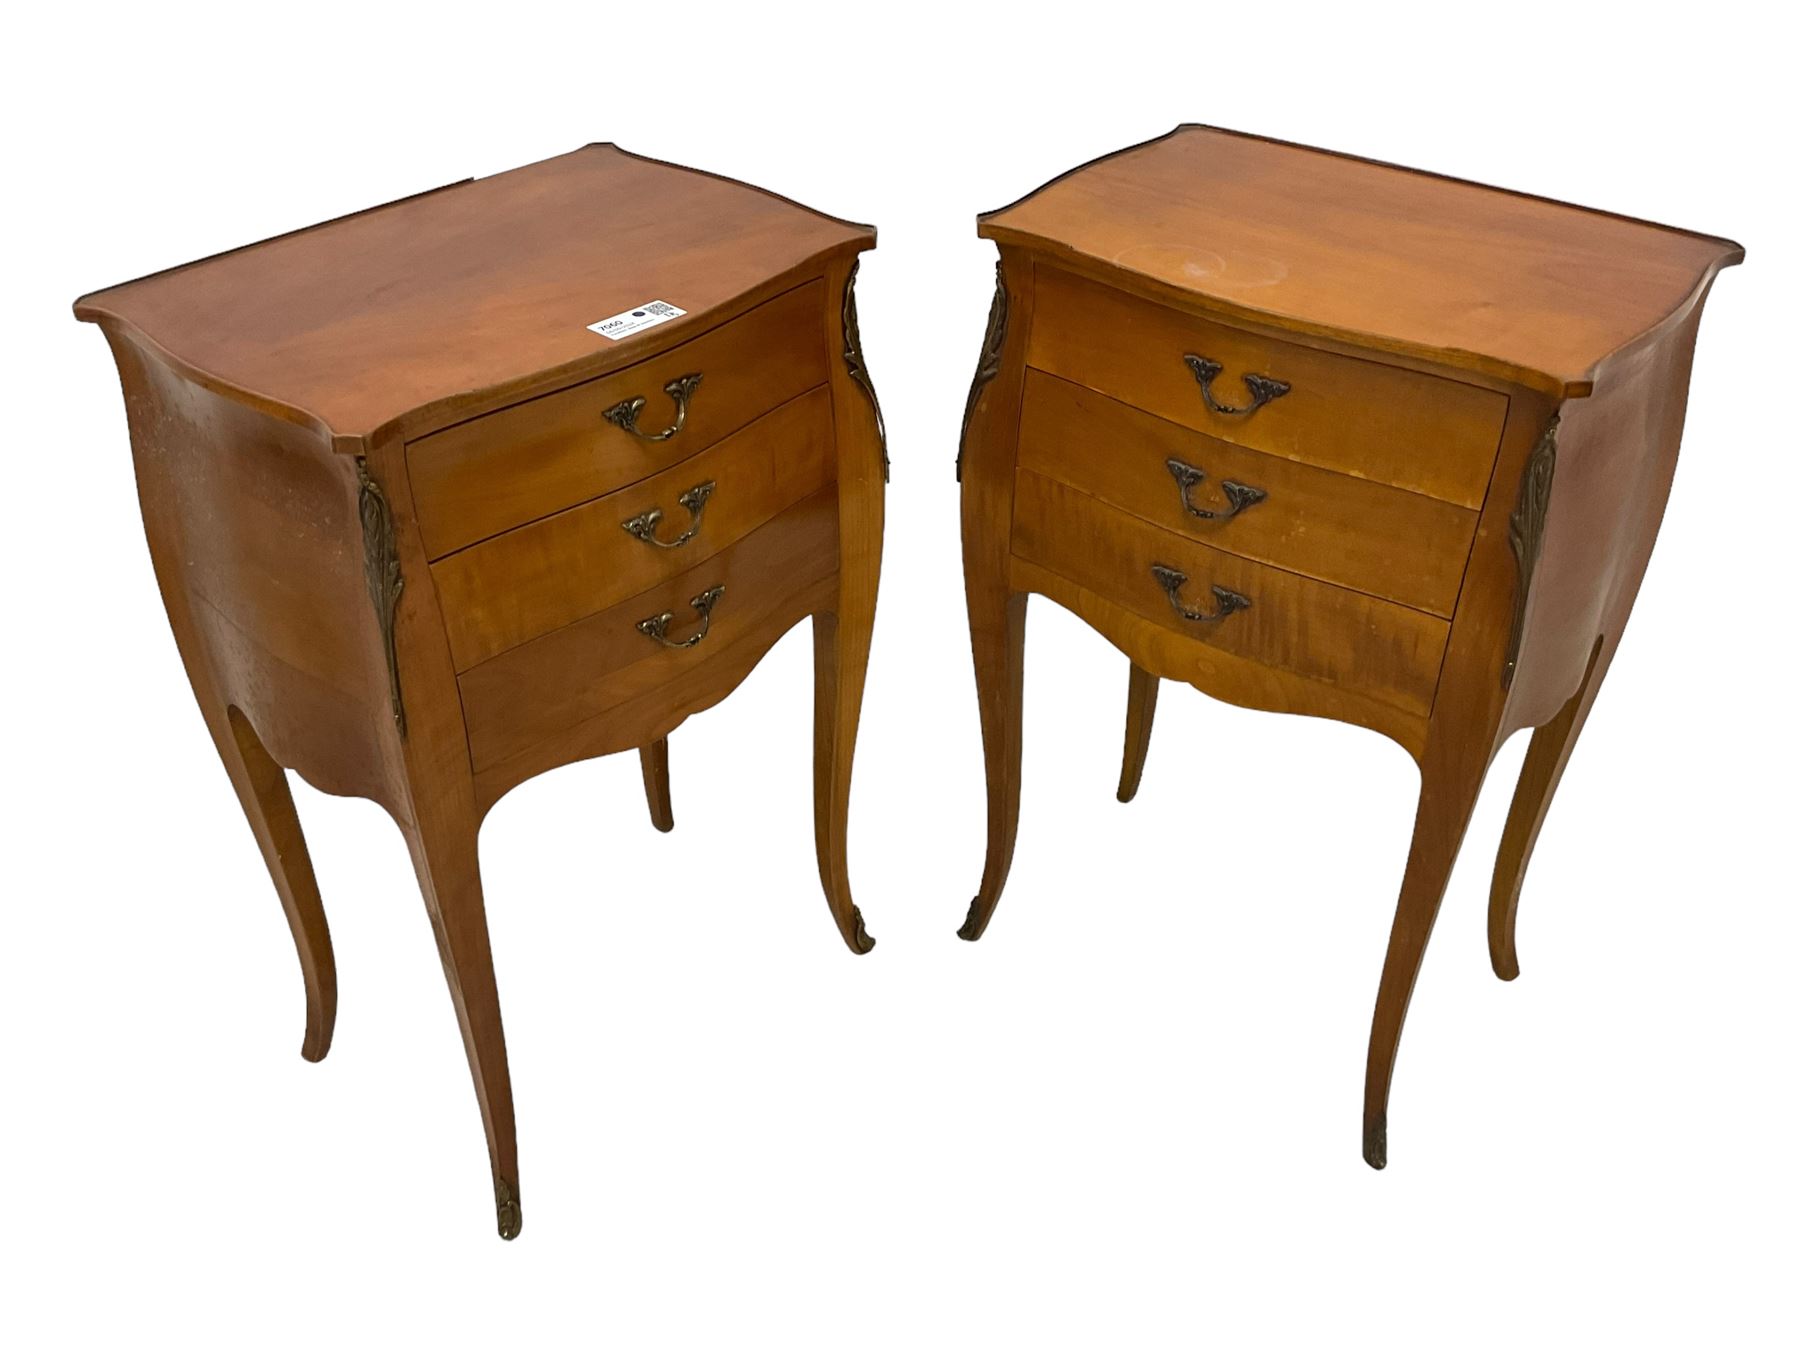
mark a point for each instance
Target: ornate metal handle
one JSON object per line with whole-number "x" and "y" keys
{"x": 1263, "y": 388}
{"x": 1241, "y": 496}
{"x": 657, "y": 626}
{"x": 695, "y": 498}
{"x": 625, "y": 414}
{"x": 1230, "y": 602}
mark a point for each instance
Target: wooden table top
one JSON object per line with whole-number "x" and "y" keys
{"x": 443, "y": 304}
{"x": 1517, "y": 287}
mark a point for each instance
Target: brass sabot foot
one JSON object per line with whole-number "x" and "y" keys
{"x": 860, "y": 941}
{"x": 506, "y": 1208}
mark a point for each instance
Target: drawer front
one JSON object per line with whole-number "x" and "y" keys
{"x": 510, "y": 589}
{"x": 491, "y": 474}
{"x": 1372, "y": 647}
{"x": 1379, "y": 422}
{"x": 550, "y": 700}
{"x": 1381, "y": 540}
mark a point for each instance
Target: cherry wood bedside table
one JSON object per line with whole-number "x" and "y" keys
{"x": 1321, "y": 435}
{"x": 485, "y": 481}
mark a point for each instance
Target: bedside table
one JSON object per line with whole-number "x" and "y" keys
{"x": 1326, "y": 436}
{"x": 488, "y": 480}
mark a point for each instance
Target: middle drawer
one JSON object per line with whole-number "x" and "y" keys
{"x": 1380, "y": 540}
{"x": 510, "y": 589}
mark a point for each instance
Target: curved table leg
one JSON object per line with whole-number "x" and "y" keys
{"x": 1140, "y": 714}
{"x": 262, "y": 789}
{"x": 654, "y": 760}
{"x": 444, "y": 855}
{"x": 997, "y": 632}
{"x": 1545, "y": 760}
{"x": 841, "y": 637}
{"x": 1447, "y": 794}
{"x": 840, "y": 663}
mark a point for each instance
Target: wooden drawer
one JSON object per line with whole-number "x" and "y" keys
{"x": 1400, "y": 427}
{"x": 1381, "y": 540}
{"x": 1385, "y": 651}
{"x": 510, "y": 589}
{"x": 579, "y": 689}
{"x": 484, "y": 476}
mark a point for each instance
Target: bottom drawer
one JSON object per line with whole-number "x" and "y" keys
{"x": 603, "y": 684}
{"x": 1367, "y": 646}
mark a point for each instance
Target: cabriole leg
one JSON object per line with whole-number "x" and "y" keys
{"x": 1545, "y": 760}
{"x": 997, "y": 632}
{"x": 449, "y": 875}
{"x": 840, "y": 662}
{"x": 262, "y": 789}
{"x": 1447, "y": 796}
{"x": 1140, "y": 713}
{"x": 654, "y": 760}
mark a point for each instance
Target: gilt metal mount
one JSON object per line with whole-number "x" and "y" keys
{"x": 694, "y": 499}
{"x": 656, "y": 626}
{"x": 506, "y": 1208}
{"x": 625, "y": 414}
{"x": 989, "y": 365}
{"x": 1525, "y": 531}
{"x": 1238, "y": 496}
{"x": 1171, "y": 580}
{"x": 1263, "y": 388}
{"x": 857, "y": 367}
{"x": 381, "y": 570}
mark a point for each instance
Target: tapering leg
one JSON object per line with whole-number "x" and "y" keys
{"x": 654, "y": 760}
{"x": 1548, "y": 755}
{"x": 444, "y": 854}
{"x": 1140, "y": 714}
{"x": 840, "y": 661}
{"x": 841, "y": 636}
{"x": 997, "y": 632}
{"x": 1447, "y": 794}
{"x": 262, "y": 789}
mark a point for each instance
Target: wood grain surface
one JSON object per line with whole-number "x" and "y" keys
{"x": 1379, "y": 540}
{"x": 1353, "y": 415}
{"x": 511, "y": 588}
{"x": 489, "y": 474}
{"x": 437, "y": 306}
{"x": 554, "y": 699}
{"x": 325, "y": 605}
{"x": 1520, "y": 288}
{"x": 1326, "y": 633}
{"x": 1523, "y": 361}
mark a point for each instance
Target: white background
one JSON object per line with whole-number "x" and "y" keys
{"x": 1131, "y": 1114}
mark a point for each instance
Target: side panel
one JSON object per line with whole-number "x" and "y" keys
{"x": 1613, "y": 464}
{"x": 255, "y": 534}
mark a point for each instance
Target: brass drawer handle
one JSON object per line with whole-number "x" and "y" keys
{"x": 1263, "y": 388}
{"x": 657, "y": 626}
{"x": 625, "y": 414}
{"x": 695, "y": 499}
{"x": 1241, "y": 496}
{"x": 1230, "y": 602}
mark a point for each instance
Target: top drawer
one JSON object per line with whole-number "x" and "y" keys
{"x": 1414, "y": 431}
{"x": 484, "y": 476}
